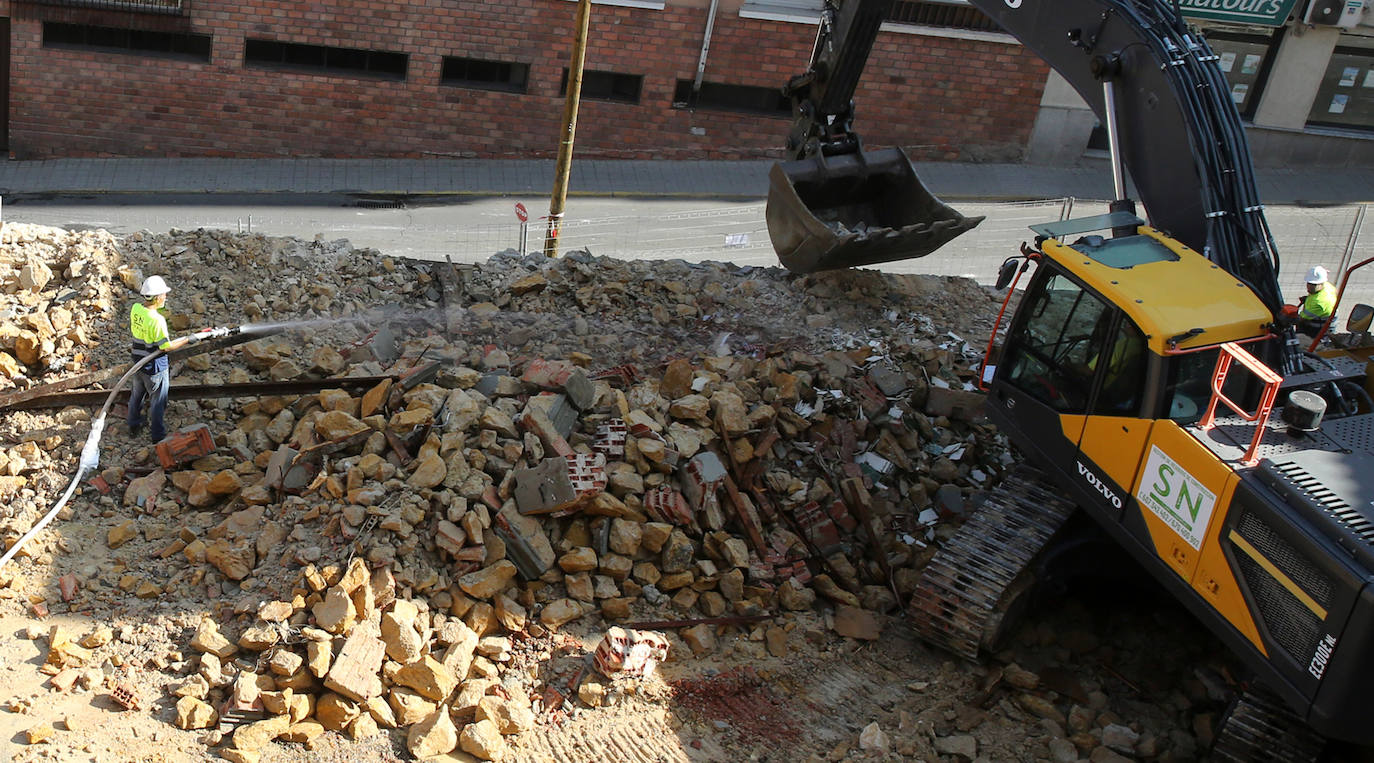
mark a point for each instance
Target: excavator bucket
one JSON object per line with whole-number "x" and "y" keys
{"x": 855, "y": 209}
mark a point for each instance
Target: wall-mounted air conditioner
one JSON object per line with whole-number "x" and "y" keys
{"x": 1342, "y": 13}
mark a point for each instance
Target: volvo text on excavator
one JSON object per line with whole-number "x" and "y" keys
{"x": 1148, "y": 375}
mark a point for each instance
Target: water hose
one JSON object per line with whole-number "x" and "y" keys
{"x": 90, "y": 452}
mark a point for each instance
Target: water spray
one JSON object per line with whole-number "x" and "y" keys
{"x": 90, "y": 452}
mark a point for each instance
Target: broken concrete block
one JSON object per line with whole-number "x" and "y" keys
{"x": 488, "y": 581}
{"x": 354, "y": 673}
{"x": 526, "y": 543}
{"x": 545, "y": 488}
{"x": 702, "y": 476}
{"x": 434, "y": 735}
{"x": 959, "y": 404}
{"x": 428, "y": 677}
{"x": 561, "y": 375}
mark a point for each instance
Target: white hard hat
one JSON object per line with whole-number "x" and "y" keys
{"x": 153, "y": 286}
{"x": 1316, "y": 275}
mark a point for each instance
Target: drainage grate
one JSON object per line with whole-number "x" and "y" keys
{"x": 379, "y": 204}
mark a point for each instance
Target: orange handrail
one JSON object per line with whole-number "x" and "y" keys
{"x": 992, "y": 338}
{"x": 1231, "y": 351}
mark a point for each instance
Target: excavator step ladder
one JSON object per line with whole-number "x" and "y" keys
{"x": 1230, "y": 352}
{"x": 855, "y": 209}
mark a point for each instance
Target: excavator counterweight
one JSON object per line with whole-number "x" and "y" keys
{"x": 855, "y": 209}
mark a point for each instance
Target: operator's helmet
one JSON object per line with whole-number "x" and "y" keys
{"x": 153, "y": 286}
{"x": 1316, "y": 275}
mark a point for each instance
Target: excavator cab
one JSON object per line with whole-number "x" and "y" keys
{"x": 855, "y": 209}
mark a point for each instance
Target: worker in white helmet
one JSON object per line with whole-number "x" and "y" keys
{"x": 149, "y": 329}
{"x": 1317, "y": 306}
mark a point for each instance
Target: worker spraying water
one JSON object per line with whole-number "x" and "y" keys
{"x": 90, "y": 451}
{"x": 149, "y": 328}
{"x": 150, "y": 373}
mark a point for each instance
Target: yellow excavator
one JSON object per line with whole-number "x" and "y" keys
{"x": 1149, "y": 373}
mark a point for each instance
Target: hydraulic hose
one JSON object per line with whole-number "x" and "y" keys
{"x": 1358, "y": 391}
{"x": 90, "y": 452}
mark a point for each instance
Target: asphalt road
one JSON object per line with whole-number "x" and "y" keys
{"x": 471, "y": 229}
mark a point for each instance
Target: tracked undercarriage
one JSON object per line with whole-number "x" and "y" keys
{"x": 971, "y": 588}
{"x": 1259, "y": 728}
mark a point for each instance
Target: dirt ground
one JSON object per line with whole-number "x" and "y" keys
{"x": 743, "y": 704}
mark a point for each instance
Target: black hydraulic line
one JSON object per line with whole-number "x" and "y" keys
{"x": 1360, "y": 392}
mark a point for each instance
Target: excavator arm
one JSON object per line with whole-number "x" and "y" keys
{"x": 1138, "y": 67}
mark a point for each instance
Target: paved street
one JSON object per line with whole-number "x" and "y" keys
{"x": 594, "y": 177}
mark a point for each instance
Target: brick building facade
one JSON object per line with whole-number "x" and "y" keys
{"x": 444, "y": 78}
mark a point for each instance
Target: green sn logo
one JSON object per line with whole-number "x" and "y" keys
{"x": 1170, "y": 483}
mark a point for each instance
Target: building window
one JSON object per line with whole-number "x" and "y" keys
{"x": 1245, "y": 59}
{"x": 799, "y": 11}
{"x": 485, "y": 75}
{"x": 950, "y": 15}
{"x": 652, "y": 5}
{"x": 171, "y": 7}
{"x": 946, "y": 14}
{"x": 607, "y": 86}
{"x": 1346, "y": 95}
{"x": 716, "y": 96}
{"x": 353, "y": 62}
{"x": 192, "y": 47}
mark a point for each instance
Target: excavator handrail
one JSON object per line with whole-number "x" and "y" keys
{"x": 1231, "y": 351}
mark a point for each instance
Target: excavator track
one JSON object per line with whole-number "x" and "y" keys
{"x": 969, "y": 590}
{"x": 1259, "y": 728}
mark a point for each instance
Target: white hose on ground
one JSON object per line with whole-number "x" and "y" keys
{"x": 90, "y": 459}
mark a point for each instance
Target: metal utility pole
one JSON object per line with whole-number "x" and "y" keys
{"x": 565, "y": 148}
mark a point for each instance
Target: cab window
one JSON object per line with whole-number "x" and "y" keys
{"x": 1122, "y": 361}
{"x": 1056, "y": 350}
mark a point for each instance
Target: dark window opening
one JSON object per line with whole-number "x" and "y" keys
{"x": 1346, "y": 95}
{"x": 941, "y": 14}
{"x": 721, "y": 97}
{"x": 194, "y": 47}
{"x": 355, "y": 62}
{"x": 1245, "y": 60}
{"x": 160, "y": 7}
{"x": 1098, "y": 139}
{"x": 485, "y": 75}
{"x": 607, "y": 86}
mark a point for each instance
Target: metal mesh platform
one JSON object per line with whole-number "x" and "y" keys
{"x": 1356, "y": 433}
{"x": 1231, "y": 436}
{"x": 1327, "y": 370}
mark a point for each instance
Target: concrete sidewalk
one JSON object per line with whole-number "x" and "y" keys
{"x": 590, "y": 177}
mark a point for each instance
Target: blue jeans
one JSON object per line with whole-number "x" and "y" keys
{"x": 155, "y": 389}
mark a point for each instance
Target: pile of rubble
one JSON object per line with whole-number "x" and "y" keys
{"x": 55, "y": 291}
{"x": 511, "y": 499}
{"x": 550, "y": 443}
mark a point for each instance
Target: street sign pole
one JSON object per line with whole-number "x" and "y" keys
{"x": 523, "y": 216}
{"x": 565, "y": 148}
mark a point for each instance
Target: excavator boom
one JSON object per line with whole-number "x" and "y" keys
{"x": 1180, "y": 136}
